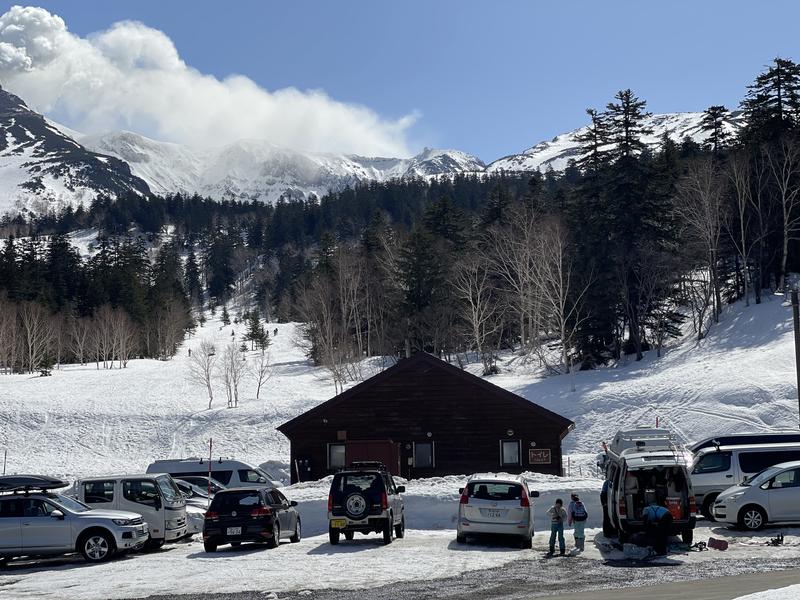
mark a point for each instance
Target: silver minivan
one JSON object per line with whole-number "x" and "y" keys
{"x": 496, "y": 504}
{"x": 717, "y": 468}
{"x": 155, "y": 497}
{"x": 230, "y": 473}
{"x": 771, "y": 496}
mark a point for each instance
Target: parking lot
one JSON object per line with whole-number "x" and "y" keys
{"x": 424, "y": 564}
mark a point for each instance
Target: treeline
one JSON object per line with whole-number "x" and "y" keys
{"x": 608, "y": 258}
{"x": 57, "y": 307}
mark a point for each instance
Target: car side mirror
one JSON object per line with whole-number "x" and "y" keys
{"x": 262, "y": 480}
{"x": 57, "y": 514}
{"x": 534, "y": 494}
{"x": 401, "y": 489}
{"x": 293, "y": 503}
{"x": 460, "y": 490}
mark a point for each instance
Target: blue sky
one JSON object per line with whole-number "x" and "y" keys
{"x": 489, "y": 78}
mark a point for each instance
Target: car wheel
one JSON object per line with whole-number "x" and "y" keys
{"x": 209, "y": 546}
{"x": 622, "y": 537}
{"x": 526, "y": 543}
{"x": 333, "y": 536}
{"x": 708, "y": 507}
{"x": 97, "y": 547}
{"x": 461, "y": 538}
{"x": 275, "y": 540}
{"x": 356, "y": 506}
{"x": 153, "y": 544}
{"x": 296, "y": 537}
{"x": 752, "y": 518}
{"x": 687, "y": 535}
{"x": 400, "y": 529}
{"x": 388, "y": 530}
{"x": 349, "y": 535}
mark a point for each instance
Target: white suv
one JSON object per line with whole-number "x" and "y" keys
{"x": 496, "y": 504}
{"x": 34, "y": 521}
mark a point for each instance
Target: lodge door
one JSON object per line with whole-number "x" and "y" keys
{"x": 385, "y": 451}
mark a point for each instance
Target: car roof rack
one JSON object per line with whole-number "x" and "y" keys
{"x": 374, "y": 465}
{"x": 27, "y": 483}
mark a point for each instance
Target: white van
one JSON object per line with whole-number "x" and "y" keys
{"x": 155, "y": 497}
{"x": 230, "y": 473}
{"x": 719, "y": 467}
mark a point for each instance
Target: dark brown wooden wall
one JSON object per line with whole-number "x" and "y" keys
{"x": 466, "y": 422}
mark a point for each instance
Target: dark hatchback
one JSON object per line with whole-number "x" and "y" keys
{"x": 261, "y": 515}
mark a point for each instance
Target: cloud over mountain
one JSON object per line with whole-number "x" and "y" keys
{"x": 131, "y": 76}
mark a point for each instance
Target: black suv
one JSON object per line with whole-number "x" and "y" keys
{"x": 261, "y": 515}
{"x": 364, "y": 498}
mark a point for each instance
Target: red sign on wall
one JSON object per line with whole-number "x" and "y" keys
{"x": 539, "y": 456}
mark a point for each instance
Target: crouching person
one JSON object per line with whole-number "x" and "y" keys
{"x": 577, "y": 516}
{"x": 557, "y": 516}
{"x": 658, "y": 522}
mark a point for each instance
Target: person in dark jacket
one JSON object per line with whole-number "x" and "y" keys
{"x": 658, "y": 522}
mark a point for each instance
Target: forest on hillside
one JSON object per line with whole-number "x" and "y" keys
{"x": 570, "y": 269}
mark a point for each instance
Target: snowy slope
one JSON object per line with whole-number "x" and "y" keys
{"x": 258, "y": 170}
{"x": 43, "y": 169}
{"x": 557, "y": 152}
{"x": 83, "y": 421}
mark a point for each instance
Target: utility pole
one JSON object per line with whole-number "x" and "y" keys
{"x": 796, "y": 320}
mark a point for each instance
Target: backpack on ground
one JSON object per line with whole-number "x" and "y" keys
{"x": 579, "y": 512}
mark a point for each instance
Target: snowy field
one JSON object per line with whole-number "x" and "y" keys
{"x": 84, "y": 421}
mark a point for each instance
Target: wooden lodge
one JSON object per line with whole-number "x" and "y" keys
{"x": 424, "y": 417}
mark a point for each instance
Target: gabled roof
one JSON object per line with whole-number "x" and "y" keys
{"x": 424, "y": 357}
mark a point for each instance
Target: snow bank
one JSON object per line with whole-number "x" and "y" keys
{"x": 791, "y": 592}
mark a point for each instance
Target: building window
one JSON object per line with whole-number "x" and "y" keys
{"x": 509, "y": 452}
{"x": 336, "y": 456}
{"x": 424, "y": 457}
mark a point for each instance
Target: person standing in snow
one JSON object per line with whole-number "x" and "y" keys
{"x": 557, "y": 516}
{"x": 577, "y": 516}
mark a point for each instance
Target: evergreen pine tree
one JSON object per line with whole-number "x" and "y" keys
{"x": 772, "y": 104}
{"x": 594, "y": 142}
{"x": 625, "y": 119}
{"x": 226, "y": 318}
{"x": 255, "y": 331}
{"x": 191, "y": 279}
{"x": 713, "y": 122}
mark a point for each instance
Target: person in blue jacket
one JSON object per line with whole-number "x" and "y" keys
{"x": 658, "y": 522}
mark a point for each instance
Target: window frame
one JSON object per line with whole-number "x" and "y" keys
{"x": 503, "y": 462}
{"x": 430, "y": 443}
{"x": 344, "y": 455}
{"x": 105, "y": 483}
{"x": 130, "y": 482}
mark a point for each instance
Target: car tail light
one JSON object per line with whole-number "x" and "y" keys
{"x": 212, "y": 516}
{"x": 464, "y": 497}
{"x": 524, "y": 500}
{"x": 384, "y": 501}
{"x": 330, "y": 502}
{"x": 261, "y": 511}
{"x": 623, "y": 508}
{"x": 692, "y": 506}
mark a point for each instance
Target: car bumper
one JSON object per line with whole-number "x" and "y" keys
{"x": 251, "y": 534}
{"x": 725, "y": 513}
{"x": 466, "y": 527}
{"x": 676, "y": 527}
{"x": 131, "y": 537}
{"x": 178, "y": 533}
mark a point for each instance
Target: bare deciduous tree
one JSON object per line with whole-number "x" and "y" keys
{"x": 201, "y": 368}
{"x": 232, "y": 369}
{"x": 784, "y": 164}
{"x": 37, "y": 330}
{"x": 261, "y": 370}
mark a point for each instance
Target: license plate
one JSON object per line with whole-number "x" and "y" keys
{"x": 495, "y": 514}
{"x": 338, "y": 523}
{"x": 234, "y": 531}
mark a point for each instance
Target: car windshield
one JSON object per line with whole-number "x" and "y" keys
{"x": 168, "y": 489}
{"x": 489, "y": 490}
{"x": 761, "y": 476}
{"x": 70, "y": 503}
{"x": 370, "y": 484}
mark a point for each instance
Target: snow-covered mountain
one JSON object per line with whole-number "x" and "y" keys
{"x": 557, "y": 152}
{"x": 42, "y": 168}
{"x": 258, "y": 170}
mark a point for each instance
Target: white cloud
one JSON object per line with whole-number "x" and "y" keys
{"x": 131, "y": 76}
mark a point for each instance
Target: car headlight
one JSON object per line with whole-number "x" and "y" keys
{"x": 122, "y": 521}
{"x": 735, "y": 497}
